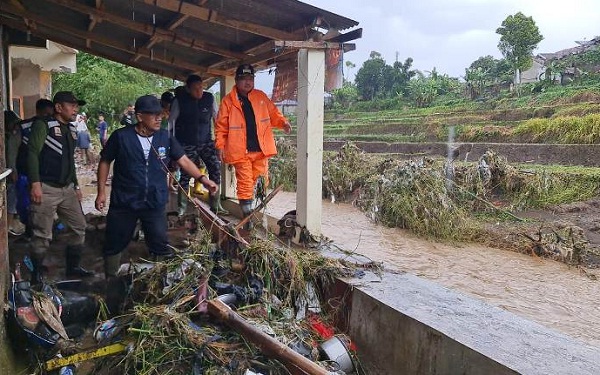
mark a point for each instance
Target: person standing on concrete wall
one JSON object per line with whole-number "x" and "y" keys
{"x": 54, "y": 185}
{"x": 190, "y": 122}
{"x": 244, "y": 134}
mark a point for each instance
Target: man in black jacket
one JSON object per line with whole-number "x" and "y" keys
{"x": 141, "y": 154}
{"x": 128, "y": 118}
{"x": 190, "y": 122}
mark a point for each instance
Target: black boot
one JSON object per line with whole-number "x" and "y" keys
{"x": 73, "y": 262}
{"x": 37, "y": 275}
{"x": 246, "y": 206}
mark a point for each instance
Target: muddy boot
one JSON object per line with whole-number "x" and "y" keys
{"x": 246, "y": 206}
{"x": 116, "y": 288}
{"x": 111, "y": 265}
{"x": 215, "y": 205}
{"x": 182, "y": 201}
{"x": 73, "y": 262}
{"x": 37, "y": 274}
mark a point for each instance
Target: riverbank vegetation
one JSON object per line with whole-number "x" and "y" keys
{"x": 455, "y": 201}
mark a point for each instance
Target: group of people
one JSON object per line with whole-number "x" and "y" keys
{"x": 142, "y": 153}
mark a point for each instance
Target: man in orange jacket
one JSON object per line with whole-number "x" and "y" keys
{"x": 244, "y": 133}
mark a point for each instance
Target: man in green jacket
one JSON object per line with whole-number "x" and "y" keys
{"x": 54, "y": 186}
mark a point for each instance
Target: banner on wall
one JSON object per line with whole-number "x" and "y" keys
{"x": 285, "y": 86}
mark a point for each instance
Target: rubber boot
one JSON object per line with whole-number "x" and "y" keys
{"x": 37, "y": 275}
{"x": 215, "y": 205}
{"x": 182, "y": 201}
{"x": 111, "y": 265}
{"x": 116, "y": 288}
{"x": 246, "y": 206}
{"x": 73, "y": 262}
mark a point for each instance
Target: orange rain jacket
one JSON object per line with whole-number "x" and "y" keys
{"x": 230, "y": 129}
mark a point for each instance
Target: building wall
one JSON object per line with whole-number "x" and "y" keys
{"x": 26, "y": 86}
{"x": 532, "y": 74}
{"x": 31, "y": 74}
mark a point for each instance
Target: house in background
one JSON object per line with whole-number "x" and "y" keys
{"x": 30, "y": 73}
{"x": 543, "y": 61}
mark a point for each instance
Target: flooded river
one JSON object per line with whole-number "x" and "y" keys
{"x": 544, "y": 291}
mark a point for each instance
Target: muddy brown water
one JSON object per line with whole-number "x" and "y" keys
{"x": 544, "y": 291}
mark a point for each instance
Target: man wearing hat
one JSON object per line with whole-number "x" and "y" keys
{"x": 54, "y": 186}
{"x": 244, "y": 134}
{"x": 141, "y": 154}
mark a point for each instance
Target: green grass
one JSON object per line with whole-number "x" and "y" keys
{"x": 569, "y": 129}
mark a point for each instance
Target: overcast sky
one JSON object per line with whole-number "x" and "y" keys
{"x": 451, "y": 34}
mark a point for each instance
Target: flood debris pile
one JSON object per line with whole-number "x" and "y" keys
{"x": 205, "y": 312}
{"x": 460, "y": 201}
{"x": 561, "y": 241}
{"x": 282, "y": 167}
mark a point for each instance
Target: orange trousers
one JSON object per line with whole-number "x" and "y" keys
{"x": 247, "y": 171}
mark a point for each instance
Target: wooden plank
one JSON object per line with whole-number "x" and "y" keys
{"x": 148, "y": 29}
{"x": 209, "y": 15}
{"x": 154, "y": 39}
{"x": 214, "y": 224}
{"x": 306, "y": 44}
{"x": 123, "y": 47}
{"x": 175, "y": 74}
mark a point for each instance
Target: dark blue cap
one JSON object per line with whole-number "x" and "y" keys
{"x": 148, "y": 104}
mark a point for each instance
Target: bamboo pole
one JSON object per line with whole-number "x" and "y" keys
{"x": 265, "y": 343}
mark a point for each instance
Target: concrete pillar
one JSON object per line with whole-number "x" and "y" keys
{"x": 311, "y": 85}
{"x": 228, "y": 183}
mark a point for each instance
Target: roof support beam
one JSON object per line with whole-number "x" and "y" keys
{"x": 175, "y": 74}
{"x": 209, "y": 15}
{"x": 153, "y": 39}
{"x": 93, "y": 22}
{"x": 123, "y": 47}
{"x": 162, "y": 34}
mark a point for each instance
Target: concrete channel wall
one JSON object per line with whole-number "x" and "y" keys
{"x": 405, "y": 325}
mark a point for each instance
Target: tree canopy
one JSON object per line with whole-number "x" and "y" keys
{"x": 376, "y": 79}
{"x": 519, "y": 37}
{"x": 107, "y": 86}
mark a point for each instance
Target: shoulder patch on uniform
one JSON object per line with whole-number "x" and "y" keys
{"x": 52, "y": 124}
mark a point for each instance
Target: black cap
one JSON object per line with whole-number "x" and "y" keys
{"x": 148, "y": 104}
{"x": 244, "y": 70}
{"x": 66, "y": 97}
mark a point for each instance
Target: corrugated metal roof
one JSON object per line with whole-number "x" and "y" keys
{"x": 175, "y": 38}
